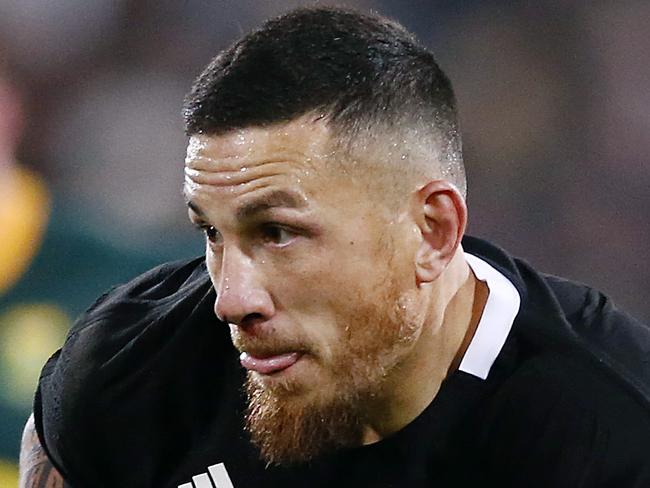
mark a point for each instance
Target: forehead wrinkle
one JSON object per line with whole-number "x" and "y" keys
{"x": 252, "y": 158}
{"x": 290, "y": 198}
{"x": 235, "y": 189}
{"x": 243, "y": 175}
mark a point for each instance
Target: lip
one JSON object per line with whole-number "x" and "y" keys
{"x": 269, "y": 364}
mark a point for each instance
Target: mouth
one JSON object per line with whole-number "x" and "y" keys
{"x": 269, "y": 364}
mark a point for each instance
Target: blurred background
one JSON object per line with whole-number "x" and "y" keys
{"x": 555, "y": 106}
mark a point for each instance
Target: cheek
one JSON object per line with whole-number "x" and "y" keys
{"x": 321, "y": 305}
{"x": 212, "y": 263}
{"x": 329, "y": 281}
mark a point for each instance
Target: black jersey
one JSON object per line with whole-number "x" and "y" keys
{"x": 147, "y": 393}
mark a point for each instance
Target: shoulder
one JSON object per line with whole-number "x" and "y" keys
{"x": 131, "y": 315}
{"x": 572, "y": 405}
{"x": 571, "y": 383}
{"x": 125, "y": 374}
{"x": 565, "y": 421}
{"x": 562, "y": 317}
{"x": 122, "y": 323}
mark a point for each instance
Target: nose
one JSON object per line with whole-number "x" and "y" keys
{"x": 241, "y": 294}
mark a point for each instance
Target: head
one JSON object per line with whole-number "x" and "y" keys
{"x": 325, "y": 169}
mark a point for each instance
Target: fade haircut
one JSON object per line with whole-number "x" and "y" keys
{"x": 363, "y": 73}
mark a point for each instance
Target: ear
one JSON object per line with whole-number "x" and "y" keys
{"x": 441, "y": 215}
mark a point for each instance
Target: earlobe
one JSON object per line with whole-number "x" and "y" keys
{"x": 441, "y": 217}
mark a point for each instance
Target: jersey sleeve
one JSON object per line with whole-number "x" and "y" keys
{"x": 98, "y": 403}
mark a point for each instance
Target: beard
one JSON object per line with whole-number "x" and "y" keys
{"x": 290, "y": 425}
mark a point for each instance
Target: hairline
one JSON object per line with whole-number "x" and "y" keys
{"x": 349, "y": 144}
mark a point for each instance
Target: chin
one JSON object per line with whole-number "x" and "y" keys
{"x": 294, "y": 420}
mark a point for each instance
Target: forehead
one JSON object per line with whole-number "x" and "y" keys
{"x": 302, "y": 140}
{"x": 241, "y": 166}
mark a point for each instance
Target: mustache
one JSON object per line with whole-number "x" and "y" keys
{"x": 269, "y": 344}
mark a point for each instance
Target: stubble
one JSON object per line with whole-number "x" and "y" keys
{"x": 290, "y": 427}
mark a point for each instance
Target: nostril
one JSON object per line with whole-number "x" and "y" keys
{"x": 249, "y": 321}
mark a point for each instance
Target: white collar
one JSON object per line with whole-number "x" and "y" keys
{"x": 496, "y": 321}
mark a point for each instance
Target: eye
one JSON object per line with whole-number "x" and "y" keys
{"x": 277, "y": 234}
{"x": 211, "y": 233}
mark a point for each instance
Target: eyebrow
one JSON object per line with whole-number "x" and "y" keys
{"x": 267, "y": 201}
{"x": 272, "y": 199}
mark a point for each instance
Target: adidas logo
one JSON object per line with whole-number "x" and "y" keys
{"x": 216, "y": 477}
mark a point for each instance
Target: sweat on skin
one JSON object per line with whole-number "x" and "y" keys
{"x": 328, "y": 291}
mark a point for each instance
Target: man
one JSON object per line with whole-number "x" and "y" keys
{"x": 340, "y": 329}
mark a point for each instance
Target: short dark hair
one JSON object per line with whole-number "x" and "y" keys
{"x": 360, "y": 71}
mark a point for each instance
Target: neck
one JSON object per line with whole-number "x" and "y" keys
{"x": 455, "y": 308}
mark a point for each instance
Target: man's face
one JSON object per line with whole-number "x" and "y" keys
{"x": 312, "y": 273}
